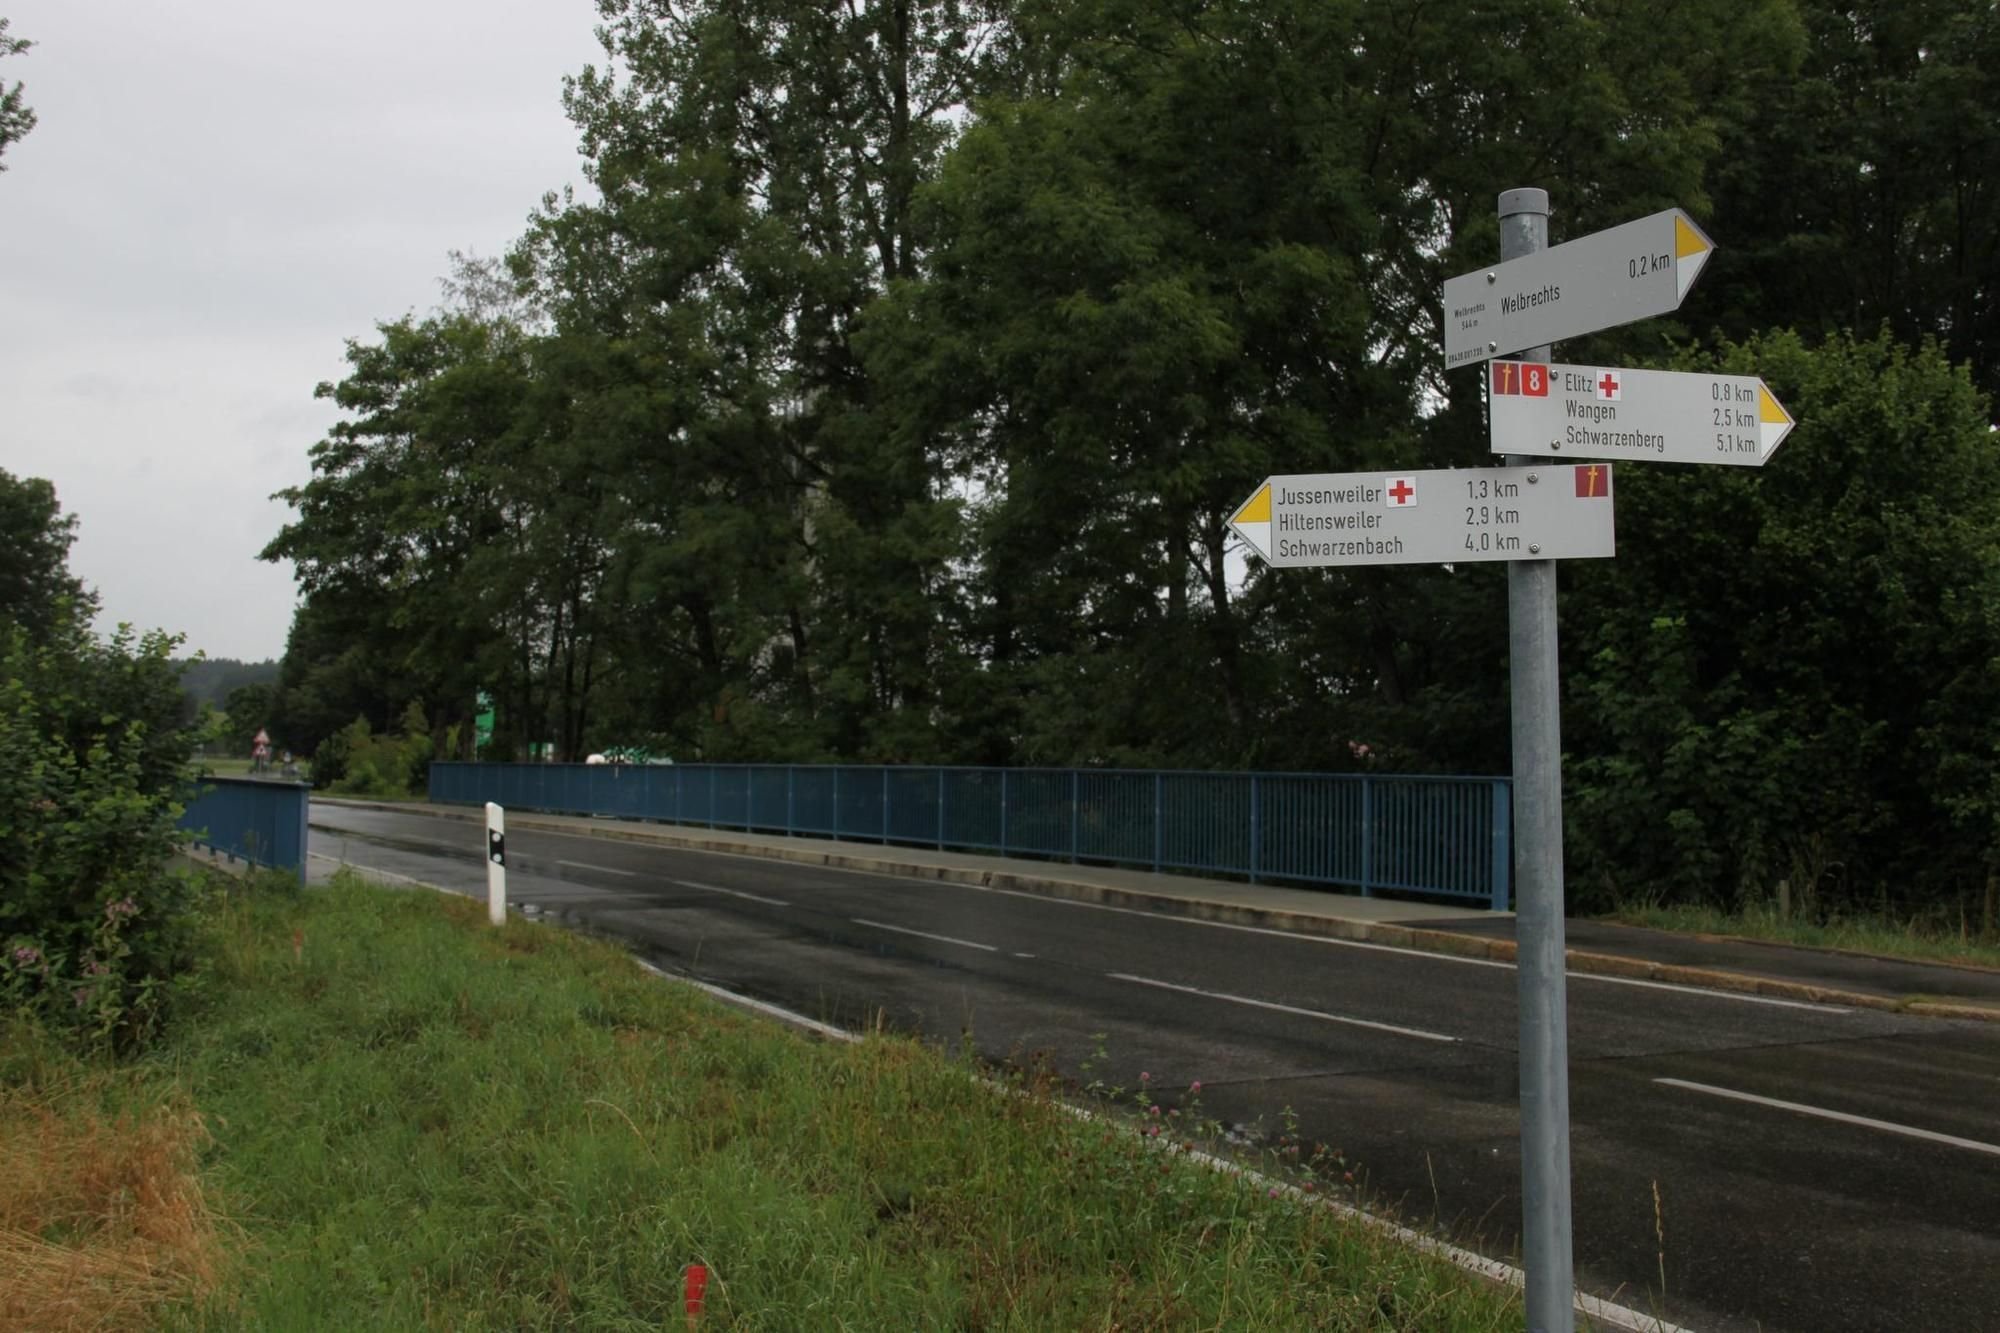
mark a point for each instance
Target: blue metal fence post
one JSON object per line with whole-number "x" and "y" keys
{"x": 791, "y": 800}
{"x": 940, "y": 809}
{"x": 1503, "y": 843}
{"x": 1159, "y": 819}
{"x": 711, "y": 795}
{"x": 836, "y": 800}
{"x": 1367, "y": 839}
{"x": 1256, "y": 828}
{"x": 885, "y": 805}
{"x": 1003, "y": 812}
{"x": 305, "y": 807}
{"x": 1075, "y": 810}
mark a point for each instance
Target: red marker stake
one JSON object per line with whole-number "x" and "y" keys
{"x": 697, "y": 1291}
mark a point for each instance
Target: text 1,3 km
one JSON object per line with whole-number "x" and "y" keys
{"x": 1486, "y": 489}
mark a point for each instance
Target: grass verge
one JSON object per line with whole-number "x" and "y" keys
{"x": 1928, "y": 940}
{"x": 414, "y": 1120}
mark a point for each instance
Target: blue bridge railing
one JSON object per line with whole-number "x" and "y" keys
{"x": 262, "y": 822}
{"x": 1448, "y": 837}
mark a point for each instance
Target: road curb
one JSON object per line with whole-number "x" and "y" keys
{"x": 1052, "y": 885}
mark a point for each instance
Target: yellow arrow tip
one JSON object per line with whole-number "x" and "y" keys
{"x": 1768, "y": 410}
{"x": 1257, "y": 509}
{"x": 1688, "y": 241}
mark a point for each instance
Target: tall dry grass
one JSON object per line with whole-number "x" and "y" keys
{"x": 102, "y": 1215}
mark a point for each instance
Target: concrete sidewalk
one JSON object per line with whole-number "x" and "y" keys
{"x": 1714, "y": 962}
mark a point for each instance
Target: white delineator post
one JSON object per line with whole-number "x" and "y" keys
{"x": 496, "y": 864}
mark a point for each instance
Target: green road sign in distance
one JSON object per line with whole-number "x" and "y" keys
{"x": 1611, "y": 277}
{"x": 1553, "y": 511}
{"x": 1654, "y": 415}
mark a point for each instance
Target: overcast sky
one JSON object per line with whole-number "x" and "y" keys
{"x": 219, "y": 194}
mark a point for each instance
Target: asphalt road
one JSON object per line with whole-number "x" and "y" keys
{"x": 1775, "y": 1217}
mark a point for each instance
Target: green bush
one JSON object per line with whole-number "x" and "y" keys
{"x": 356, "y": 762}
{"x": 97, "y": 936}
{"x": 1790, "y": 673}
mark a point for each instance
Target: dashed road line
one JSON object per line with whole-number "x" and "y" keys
{"x": 1886, "y": 1126}
{"x": 923, "y": 934}
{"x": 733, "y": 893}
{"x": 1282, "y": 1008}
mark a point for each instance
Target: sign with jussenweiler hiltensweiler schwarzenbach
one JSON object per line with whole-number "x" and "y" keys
{"x": 1440, "y": 516}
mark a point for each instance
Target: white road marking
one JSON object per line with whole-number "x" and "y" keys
{"x": 1886, "y": 1126}
{"x": 761, "y": 1006}
{"x": 923, "y": 934}
{"x": 733, "y": 893}
{"x": 1024, "y": 955}
{"x": 602, "y": 870}
{"x": 1282, "y": 1008}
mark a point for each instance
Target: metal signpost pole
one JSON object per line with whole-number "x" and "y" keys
{"x": 1538, "y": 861}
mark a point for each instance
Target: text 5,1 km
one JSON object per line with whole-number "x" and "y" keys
{"x": 1656, "y": 415}
{"x": 1440, "y": 516}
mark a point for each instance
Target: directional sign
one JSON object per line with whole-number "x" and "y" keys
{"x": 1661, "y": 415}
{"x": 1443, "y": 516}
{"x": 1600, "y": 281}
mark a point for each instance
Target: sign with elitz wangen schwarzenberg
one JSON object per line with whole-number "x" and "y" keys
{"x": 1611, "y": 277}
{"x": 1443, "y": 516}
{"x": 1658, "y": 415}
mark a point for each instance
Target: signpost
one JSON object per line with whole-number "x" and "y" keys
{"x": 1659, "y": 415}
{"x": 1540, "y": 508}
{"x": 1599, "y": 281}
{"x": 1541, "y": 957}
{"x": 1443, "y": 516}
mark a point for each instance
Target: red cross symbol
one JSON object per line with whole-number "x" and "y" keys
{"x": 1608, "y": 386}
{"x": 1402, "y": 492}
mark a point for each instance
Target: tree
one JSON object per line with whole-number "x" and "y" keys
{"x": 1790, "y": 673}
{"x": 758, "y": 165}
{"x": 412, "y": 490}
{"x": 249, "y": 712}
{"x": 1866, "y": 189}
{"x": 37, "y": 591}
{"x": 16, "y": 117}
{"x": 1211, "y": 254}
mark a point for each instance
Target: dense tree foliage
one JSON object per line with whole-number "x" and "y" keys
{"x": 889, "y": 399}
{"x": 37, "y": 591}
{"x": 212, "y": 680}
